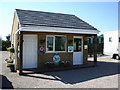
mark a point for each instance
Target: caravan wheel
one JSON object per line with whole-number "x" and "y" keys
{"x": 114, "y": 56}
{"x": 117, "y": 57}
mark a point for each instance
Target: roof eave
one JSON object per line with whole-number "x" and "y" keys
{"x": 60, "y": 30}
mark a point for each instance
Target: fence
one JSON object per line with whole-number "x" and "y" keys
{"x": 100, "y": 45}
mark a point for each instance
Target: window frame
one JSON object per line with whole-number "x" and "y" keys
{"x": 54, "y": 44}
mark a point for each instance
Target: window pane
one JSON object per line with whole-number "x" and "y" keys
{"x": 77, "y": 45}
{"x": 110, "y": 39}
{"x": 119, "y": 39}
{"x": 60, "y": 43}
{"x": 49, "y": 43}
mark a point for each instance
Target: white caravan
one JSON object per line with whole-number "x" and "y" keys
{"x": 112, "y": 44}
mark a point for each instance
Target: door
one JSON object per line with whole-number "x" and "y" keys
{"x": 78, "y": 51}
{"x": 29, "y": 51}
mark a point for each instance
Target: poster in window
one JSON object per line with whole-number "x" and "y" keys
{"x": 70, "y": 48}
{"x": 85, "y": 47}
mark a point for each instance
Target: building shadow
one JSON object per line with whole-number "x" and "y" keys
{"x": 5, "y": 83}
{"x": 80, "y": 75}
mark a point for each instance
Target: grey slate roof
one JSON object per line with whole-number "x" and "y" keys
{"x": 29, "y": 18}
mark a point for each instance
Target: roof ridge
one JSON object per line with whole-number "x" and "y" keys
{"x": 44, "y": 12}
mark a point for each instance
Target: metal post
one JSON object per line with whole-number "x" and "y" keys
{"x": 95, "y": 49}
{"x": 21, "y": 53}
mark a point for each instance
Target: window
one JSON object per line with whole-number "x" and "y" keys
{"x": 60, "y": 43}
{"x": 56, "y": 43}
{"x": 49, "y": 43}
{"x": 77, "y": 44}
{"x": 110, "y": 39}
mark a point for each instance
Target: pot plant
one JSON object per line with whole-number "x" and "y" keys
{"x": 64, "y": 63}
{"x": 11, "y": 66}
{"x": 49, "y": 64}
{"x": 10, "y": 49}
{"x": 9, "y": 61}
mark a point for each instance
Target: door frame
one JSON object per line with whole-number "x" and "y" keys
{"x": 37, "y": 48}
{"x": 82, "y": 47}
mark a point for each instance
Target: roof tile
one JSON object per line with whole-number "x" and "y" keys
{"x": 29, "y": 18}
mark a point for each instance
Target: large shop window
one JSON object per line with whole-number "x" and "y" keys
{"x": 56, "y": 43}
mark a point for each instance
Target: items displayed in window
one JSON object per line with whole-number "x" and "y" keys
{"x": 56, "y": 43}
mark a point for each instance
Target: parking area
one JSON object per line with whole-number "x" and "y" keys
{"x": 105, "y": 75}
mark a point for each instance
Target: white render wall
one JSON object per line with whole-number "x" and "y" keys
{"x": 111, "y": 47}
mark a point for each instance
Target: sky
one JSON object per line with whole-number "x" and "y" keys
{"x": 101, "y": 15}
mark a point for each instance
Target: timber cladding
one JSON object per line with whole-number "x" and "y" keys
{"x": 49, "y": 57}
{"x": 64, "y": 56}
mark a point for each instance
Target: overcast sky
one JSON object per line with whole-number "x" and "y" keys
{"x": 101, "y": 15}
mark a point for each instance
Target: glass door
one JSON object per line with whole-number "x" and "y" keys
{"x": 78, "y": 51}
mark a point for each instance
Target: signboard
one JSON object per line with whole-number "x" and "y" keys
{"x": 85, "y": 47}
{"x": 70, "y": 48}
{"x": 42, "y": 50}
{"x": 56, "y": 58}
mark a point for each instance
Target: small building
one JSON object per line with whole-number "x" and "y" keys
{"x": 41, "y": 37}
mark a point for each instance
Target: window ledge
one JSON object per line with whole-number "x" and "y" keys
{"x": 56, "y": 52}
